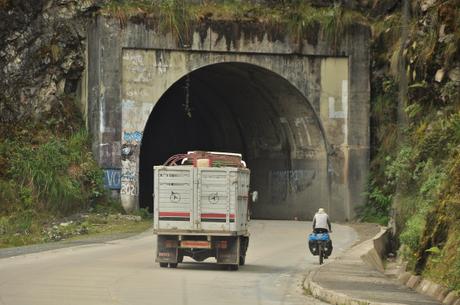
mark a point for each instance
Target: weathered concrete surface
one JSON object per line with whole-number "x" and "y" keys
{"x": 377, "y": 250}
{"x": 298, "y": 112}
{"x": 348, "y": 281}
{"x": 124, "y": 272}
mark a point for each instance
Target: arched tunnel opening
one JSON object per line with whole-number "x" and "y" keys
{"x": 243, "y": 108}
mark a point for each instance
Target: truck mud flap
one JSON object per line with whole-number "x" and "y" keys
{"x": 167, "y": 249}
{"x": 230, "y": 254}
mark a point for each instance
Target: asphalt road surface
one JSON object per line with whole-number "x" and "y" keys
{"x": 124, "y": 272}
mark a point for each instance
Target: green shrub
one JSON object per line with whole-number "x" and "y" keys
{"x": 432, "y": 179}
{"x": 22, "y": 222}
{"x": 450, "y": 92}
{"x": 58, "y": 175}
{"x": 110, "y": 206}
{"x": 413, "y": 231}
{"x": 8, "y": 196}
{"x": 443, "y": 135}
{"x": 377, "y": 207}
{"x": 4, "y": 225}
{"x": 77, "y": 145}
{"x": 399, "y": 170}
{"x": 144, "y": 213}
{"x": 456, "y": 273}
{"x": 44, "y": 169}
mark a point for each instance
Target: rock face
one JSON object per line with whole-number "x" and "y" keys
{"x": 41, "y": 56}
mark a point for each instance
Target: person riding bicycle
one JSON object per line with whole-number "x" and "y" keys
{"x": 321, "y": 222}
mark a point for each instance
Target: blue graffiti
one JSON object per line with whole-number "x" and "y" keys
{"x": 112, "y": 179}
{"x": 131, "y": 137}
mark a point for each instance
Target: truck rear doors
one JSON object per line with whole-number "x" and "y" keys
{"x": 173, "y": 198}
{"x": 216, "y": 193}
{"x": 203, "y": 199}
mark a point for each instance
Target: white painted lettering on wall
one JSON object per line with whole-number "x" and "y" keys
{"x": 102, "y": 111}
{"x": 142, "y": 77}
{"x": 129, "y": 178}
{"x": 134, "y": 59}
{"x": 136, "y": 64}
{"x": 161, "y": 65}
{"x": 136, "y": 93}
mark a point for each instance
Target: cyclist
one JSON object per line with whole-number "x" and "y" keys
{"x": 321, "y": 222}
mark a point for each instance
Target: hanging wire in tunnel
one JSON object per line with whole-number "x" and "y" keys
{"x": 187, "y": 108}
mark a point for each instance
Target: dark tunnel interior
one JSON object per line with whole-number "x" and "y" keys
{"x": 230, "y": 107}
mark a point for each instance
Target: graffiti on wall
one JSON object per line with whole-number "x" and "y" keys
{"x": 136, "y": 93}
{"x": 136, "y": 64}
{"x": 293, "y": 180}
{"x": 134, "y": 114}
{"x": 112, "y": 179}
{"x": 129, "y": 178}
{"x": 129, "y": 168}
{"x": 132, "y": 137}
{"x": 161, "y": 64}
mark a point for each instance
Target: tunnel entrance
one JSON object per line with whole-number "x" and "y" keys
{"x": 243, "y": 108}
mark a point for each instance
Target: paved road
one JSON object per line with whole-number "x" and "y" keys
{"x": 123, "y": 272}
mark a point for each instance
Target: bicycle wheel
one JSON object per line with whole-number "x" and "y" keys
{"x": 321, "y": 254}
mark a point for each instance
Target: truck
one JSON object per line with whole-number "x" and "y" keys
{"x": 201, "y": 209}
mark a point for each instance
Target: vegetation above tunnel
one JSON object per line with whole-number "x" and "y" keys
{"x": 278, "y": 19}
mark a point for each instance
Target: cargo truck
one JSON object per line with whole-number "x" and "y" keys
{"x": 201, "y": 209}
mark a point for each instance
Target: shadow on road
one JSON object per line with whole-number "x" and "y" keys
{"x": 211, "y": 266}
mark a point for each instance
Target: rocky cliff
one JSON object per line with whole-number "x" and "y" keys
{"x": 42, "y": 47}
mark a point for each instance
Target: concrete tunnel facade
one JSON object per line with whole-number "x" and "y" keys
{"x": 300, "y": 120}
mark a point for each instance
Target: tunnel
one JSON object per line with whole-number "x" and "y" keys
{"x": 243, "y": 108}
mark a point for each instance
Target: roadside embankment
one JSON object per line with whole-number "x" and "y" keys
{"x": 355, "y": 279}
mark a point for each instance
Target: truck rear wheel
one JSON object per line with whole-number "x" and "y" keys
{"x": 244, "y": 242}
{"x": 180, "y": 256}
{"x": 172, "y": 265}
{"x": 163, "y": 265}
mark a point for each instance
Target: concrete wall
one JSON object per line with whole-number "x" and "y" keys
{"x": 130, "y": 68}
